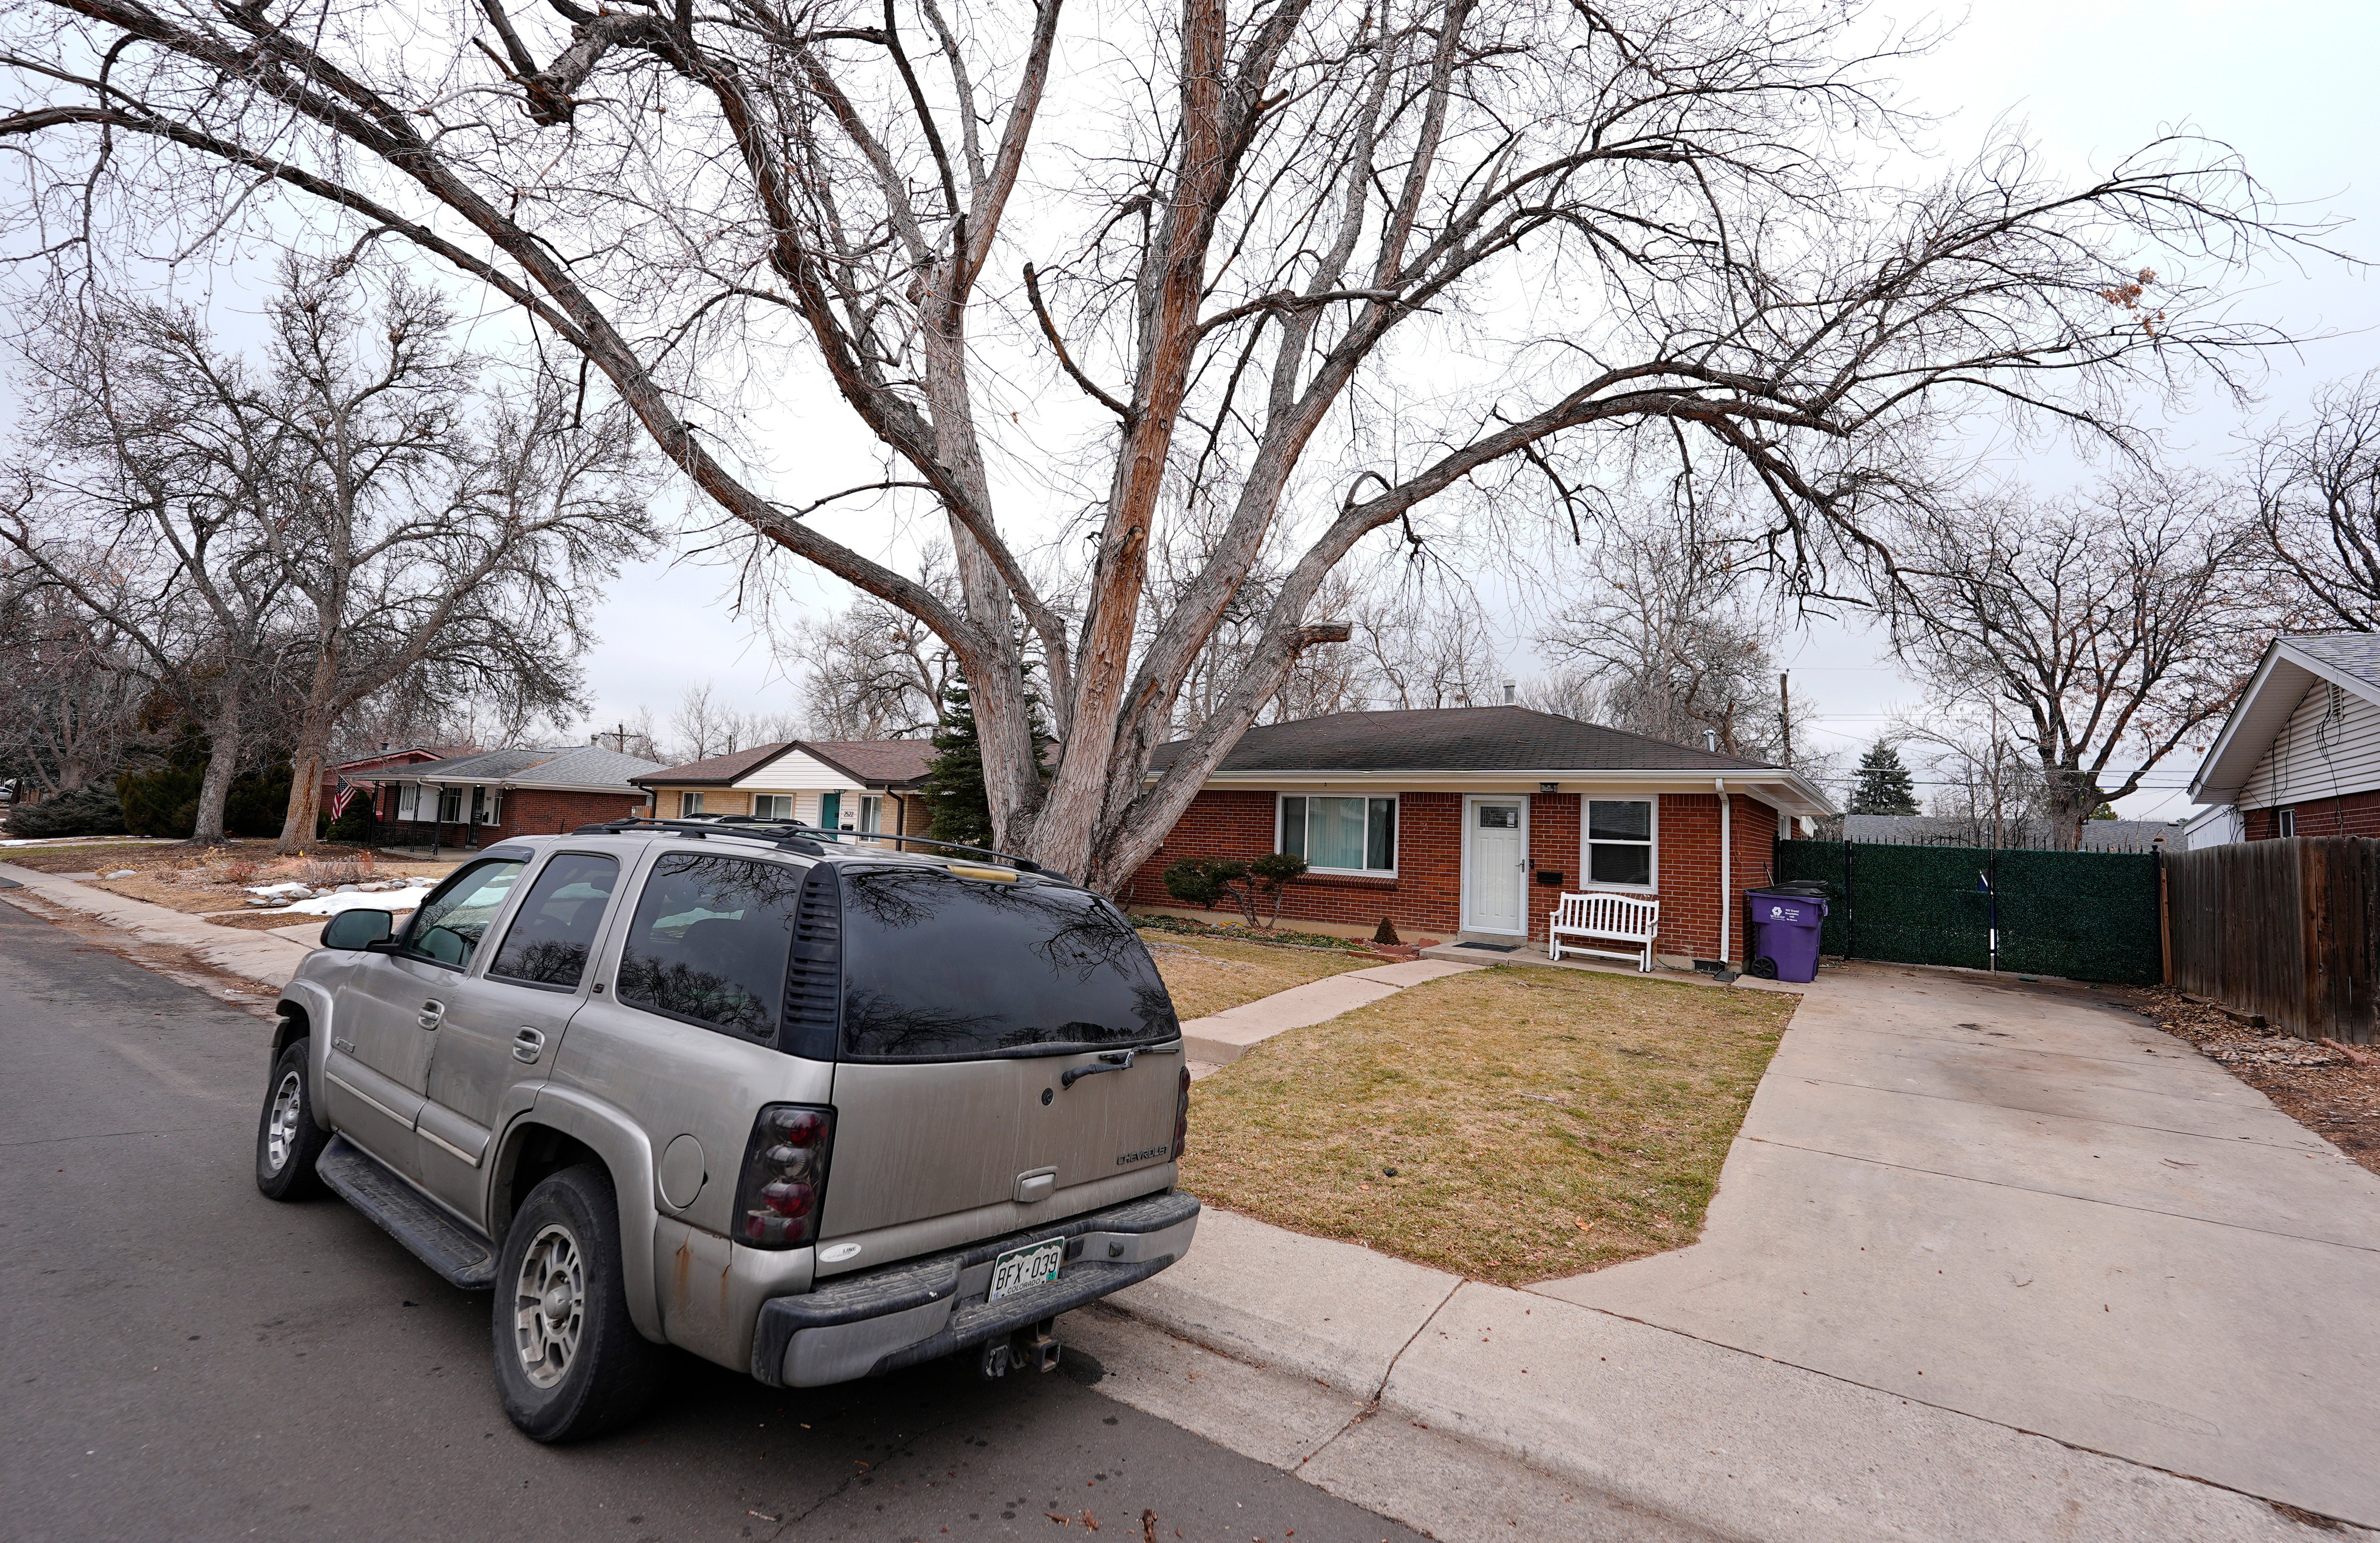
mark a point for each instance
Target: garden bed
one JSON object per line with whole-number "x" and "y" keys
{"x": 1510, "y": 1124}
{"x": 200, "y": 880}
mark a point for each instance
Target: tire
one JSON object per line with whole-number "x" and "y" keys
{"x": 569, "y": 1363}
{"x": 287, "y": 1138}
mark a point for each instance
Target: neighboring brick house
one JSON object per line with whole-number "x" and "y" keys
{"x": 2300, "y": 755}
{"x": 846, "y": 784}
{"x": 349, "y": 773}
{"x": 469, "y": 801}
{"x": 1474, "y": 822}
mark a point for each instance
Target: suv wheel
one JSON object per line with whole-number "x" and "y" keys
{"x": 287, "y": 1138}
{"x": 569, "y": 1363}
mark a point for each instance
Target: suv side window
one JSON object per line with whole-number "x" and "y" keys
{"x": 552, "y": 933}
{"x": 710, "y": 942}
{"x": 454, "y": 917}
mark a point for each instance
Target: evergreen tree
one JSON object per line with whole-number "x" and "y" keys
{"x": 955, "y": 788}
{"x": 1884, "y": 786}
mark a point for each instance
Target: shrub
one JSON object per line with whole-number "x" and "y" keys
{"x": 357, "y": 827}
{"x": 1249, "y": 885}
{"x": 87, "y": 811}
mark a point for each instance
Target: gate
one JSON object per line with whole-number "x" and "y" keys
{"x": 2086, "y": 916}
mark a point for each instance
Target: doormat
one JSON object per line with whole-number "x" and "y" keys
{"x": 1492, "y": 948}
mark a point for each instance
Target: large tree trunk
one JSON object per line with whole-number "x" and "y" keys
{"x": 313, "y": 748}
{"x": 223, "y": 746}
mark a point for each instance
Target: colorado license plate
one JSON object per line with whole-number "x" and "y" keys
{"x": 1033, "y": 1265}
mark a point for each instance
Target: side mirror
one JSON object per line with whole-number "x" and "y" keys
{"x": 358, "y": 929}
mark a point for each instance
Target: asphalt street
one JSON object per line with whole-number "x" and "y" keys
{"x": 186, "y": 1359}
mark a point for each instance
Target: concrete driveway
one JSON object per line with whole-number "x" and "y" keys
{"x": 2027, "y": 1204}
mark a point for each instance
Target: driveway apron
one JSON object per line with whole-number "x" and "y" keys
{"x": 2024, "y": 1203}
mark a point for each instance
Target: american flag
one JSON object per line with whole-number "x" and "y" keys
{"x": 346, "y": 796}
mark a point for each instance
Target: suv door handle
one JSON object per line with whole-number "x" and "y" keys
{"x": 433, "y": 1012}
{"x": 528, "y": 1045}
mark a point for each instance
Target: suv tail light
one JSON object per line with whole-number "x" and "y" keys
{"x": 784, "y": 1176}
{"x": 1182, "y": 1116}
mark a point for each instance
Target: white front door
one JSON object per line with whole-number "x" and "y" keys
{"x": 1495, "y": 865}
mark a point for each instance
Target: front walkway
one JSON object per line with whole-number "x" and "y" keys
{"x": 2026, "y": 1203}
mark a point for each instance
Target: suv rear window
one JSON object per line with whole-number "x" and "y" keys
{"x": 710, "y": 941}
{"x": 937, "y": 968}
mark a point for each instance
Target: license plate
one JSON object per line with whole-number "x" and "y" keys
{"x": 1033, "y": 1265}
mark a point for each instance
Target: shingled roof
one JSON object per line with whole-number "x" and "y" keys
{"x": 889, "y": 761}
{"x": 574, "y": 766}
{"x": 1457, "y": 739}
{"x": 868, "y": 762}
{"x": 721, "y": 770}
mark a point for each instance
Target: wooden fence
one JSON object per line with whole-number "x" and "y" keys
{"x": 2288, "y": 928}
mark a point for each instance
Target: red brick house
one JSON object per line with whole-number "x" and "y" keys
{"x": 2300, "y": 755}
{"x": 468, "y": 801}
{"x": 352, "y": 771}
{"x": 1472, "y": 821}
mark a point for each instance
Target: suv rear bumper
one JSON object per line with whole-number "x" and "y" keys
{"x": 870, "y": 1323}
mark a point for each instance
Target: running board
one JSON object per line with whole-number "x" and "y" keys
{"x": 428, "y": 1234}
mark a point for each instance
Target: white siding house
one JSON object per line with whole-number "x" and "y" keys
{"x": 2299, "y": 754}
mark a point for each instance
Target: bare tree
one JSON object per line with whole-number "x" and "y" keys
{"x": 153, "y": 524}
{"x": 2102, "y": 630}
{"x": 871, "y": 671}
{"x": 1670, "y": 637}
{"x": 2318, "y": 500}
{"x": 433, "y": 530}
{"x": 71, "y": 695}
{"x": 703, "y": 727}
{"x": 1257, "y": 256}
{"x": 1424, "y": 644}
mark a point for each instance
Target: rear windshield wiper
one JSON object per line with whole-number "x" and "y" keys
{"x": 1111, "y": 1061}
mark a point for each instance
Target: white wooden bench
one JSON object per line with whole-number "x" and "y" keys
{"x": 1606, "y": 919}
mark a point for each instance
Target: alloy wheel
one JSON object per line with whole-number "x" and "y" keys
{"x": 281, "y": 1121}
{"x": 550, "y": 1305}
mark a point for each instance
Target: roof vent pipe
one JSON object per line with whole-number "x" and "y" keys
{"x": 1711, "y": 740}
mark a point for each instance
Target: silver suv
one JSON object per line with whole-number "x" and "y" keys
{"x": 795, "y": 1100}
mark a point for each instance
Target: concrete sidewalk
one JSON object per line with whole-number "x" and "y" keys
{"x": 266, "y": 957}
{"x": 1987, "y": 1261}
{"x": 1225, "y": 1037}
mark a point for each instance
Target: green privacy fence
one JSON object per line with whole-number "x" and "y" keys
{"x": 2087, "y": 916}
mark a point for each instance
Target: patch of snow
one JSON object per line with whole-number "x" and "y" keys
{"x": 404, "y": 899}
{"x": 124, "y": 873}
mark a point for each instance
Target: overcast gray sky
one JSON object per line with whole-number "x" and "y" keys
{"x": 2286, "y": 85}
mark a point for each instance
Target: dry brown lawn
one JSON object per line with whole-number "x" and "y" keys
{"x": 1514, "y": 1124}
{"x": 204, "y": 879}
{"x": 1207, "y": 975}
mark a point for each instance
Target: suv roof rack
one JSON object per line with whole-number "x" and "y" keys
{"x": 792, "y": 836}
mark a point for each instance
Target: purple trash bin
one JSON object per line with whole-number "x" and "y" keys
{"x": 1785, "y": 934}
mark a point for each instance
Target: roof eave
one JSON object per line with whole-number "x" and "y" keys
{"x": 2230, "y": 761}
{"x": 1805, "y": 793}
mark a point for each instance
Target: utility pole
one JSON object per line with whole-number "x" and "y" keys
{"x": 1785, "y": 713}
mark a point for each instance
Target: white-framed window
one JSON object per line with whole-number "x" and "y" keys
{"x": 689, "y": 805}
{"x": 1340, "y": 836}
{"x": 772, "y": 806}
{"x": 408, "y": 801}
{"x": 450, "y": 805}
{"x": 871, "y": 813}
{"x": 2285, "y": 822}
{"x": 1618, "y": 838}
